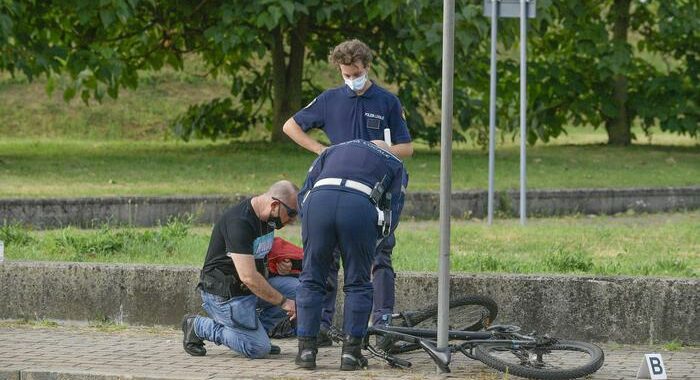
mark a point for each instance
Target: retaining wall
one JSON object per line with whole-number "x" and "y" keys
{"x": 149, "y": 211}
{"x": 603, "y": 309}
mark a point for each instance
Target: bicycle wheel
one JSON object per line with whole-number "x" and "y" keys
{"x": 560, "y": 360}
{"x": 469, "y": 313}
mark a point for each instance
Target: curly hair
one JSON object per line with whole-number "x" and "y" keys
{"x": 351, "y": 52}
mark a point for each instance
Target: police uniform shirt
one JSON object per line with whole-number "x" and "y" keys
{"x": 361, "y": 161}
{"x": 345, "y": 116}
{"x": 238, "y": 231}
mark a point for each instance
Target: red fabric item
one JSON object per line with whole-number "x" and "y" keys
{"x": 283, "y": 249}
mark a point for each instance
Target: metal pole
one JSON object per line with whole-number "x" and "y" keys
{"x": 445, "y": 170}
{"x": 523, "y": 107}
{"x": 492, "y": 108}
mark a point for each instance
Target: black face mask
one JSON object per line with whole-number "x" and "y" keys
{"x": 275, "y": 221}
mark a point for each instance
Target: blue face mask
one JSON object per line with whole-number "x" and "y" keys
{"x": 358, "y": 83}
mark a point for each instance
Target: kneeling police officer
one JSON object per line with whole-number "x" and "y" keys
{"x": 351, "y": 199}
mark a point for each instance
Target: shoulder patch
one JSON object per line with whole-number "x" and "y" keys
{"x": 312, "y": 103}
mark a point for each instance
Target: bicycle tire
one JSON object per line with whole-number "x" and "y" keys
{"x": 468, "y": 313}
{"x": 558, "y": 361}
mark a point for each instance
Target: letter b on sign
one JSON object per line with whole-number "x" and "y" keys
{"x": 655, "y": 365}
{"x": 652, "y": 368}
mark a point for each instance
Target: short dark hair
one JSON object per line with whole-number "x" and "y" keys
{"x": 284, "y": 190}
{"x": 351, "y": 52}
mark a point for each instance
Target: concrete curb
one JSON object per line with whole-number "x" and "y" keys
{"x": 72, "y": 374}
{"x": 149, "y": 211}
{"x": 10, "y": 374}
{"x": 604, "y": 309}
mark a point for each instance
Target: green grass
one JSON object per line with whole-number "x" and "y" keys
{"x": 663, "y": 245}
{"x": 673, "y": 345}
{"x": 103, "y": 325}
{"x": 27, "y": 111}
{"x": 122, "y": 147}
{"x": 25, "y": 323}
{"x": 71, "y": 168}
{"x": 644, "y": 245}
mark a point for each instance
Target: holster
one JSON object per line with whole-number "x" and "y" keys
{"x": 215, "y": 281}
{"x": 384, "y": 214}
{"x": 386, "y": 227}
{"x": 382, "y": 201}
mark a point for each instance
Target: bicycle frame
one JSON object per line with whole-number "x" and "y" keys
{"x": 501, "y": 347}
{"x": 427, "y": 333}
{"x": 442, "y": 357}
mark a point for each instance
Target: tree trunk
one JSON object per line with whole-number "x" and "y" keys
{"x": 618, "y": 127}
{"x": 287, "y": 71}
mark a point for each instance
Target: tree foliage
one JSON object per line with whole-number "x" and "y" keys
{"x": 608, "y": 63}
{"x": 613, "y": 63}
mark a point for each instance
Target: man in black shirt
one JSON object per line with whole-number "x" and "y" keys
{"x": 234, "y": 276}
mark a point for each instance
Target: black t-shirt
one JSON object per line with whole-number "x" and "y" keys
{"x": 238, "y": 231}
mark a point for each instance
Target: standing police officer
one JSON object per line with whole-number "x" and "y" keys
{"x": 350, "y": 200}
{"x": 360, "y": 109}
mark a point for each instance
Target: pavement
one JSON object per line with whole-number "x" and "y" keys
{"x": 51, "y": 351}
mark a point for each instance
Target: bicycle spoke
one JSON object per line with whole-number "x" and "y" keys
{"x": 558, "y": 359}
{"x": 538, "y": 358}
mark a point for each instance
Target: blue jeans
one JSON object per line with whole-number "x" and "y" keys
{"x": 241, "y": 323}
{"x": 271, "y": 314}
{"x": 233, "y": 323}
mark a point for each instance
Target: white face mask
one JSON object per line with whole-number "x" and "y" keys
{"x": 358, "y": 83}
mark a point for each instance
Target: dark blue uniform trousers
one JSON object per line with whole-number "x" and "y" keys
{"x": 383, "y": 280}
{"x": 347, "y": 220}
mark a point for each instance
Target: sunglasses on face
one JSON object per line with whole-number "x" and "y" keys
{"x": 291, "y": 212}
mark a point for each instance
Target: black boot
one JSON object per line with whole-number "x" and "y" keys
{"x": 306, "y": 358}
{"x": 352, "y": 358}
{"x": 191, "y": 342}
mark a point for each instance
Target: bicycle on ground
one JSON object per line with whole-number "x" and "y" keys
{"x": 472, "y": 333}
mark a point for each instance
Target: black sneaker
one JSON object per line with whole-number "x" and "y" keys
{"x": 324, "y": 339}
{"x": 352, "y": 358}
{"x": 306, "y": 357}
{"x": 192, "y": 344}
{"x": 275, "y": 350}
